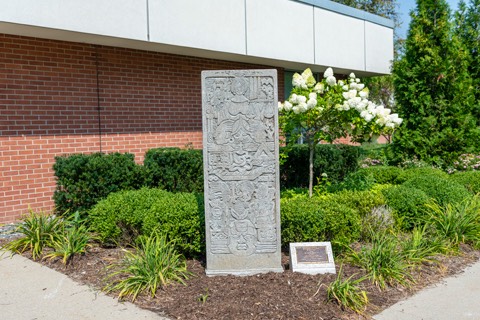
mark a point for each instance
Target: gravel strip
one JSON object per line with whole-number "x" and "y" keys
{"x": 7, "y": 231}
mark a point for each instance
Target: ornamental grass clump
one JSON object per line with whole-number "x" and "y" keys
{"x": 383, "y": 260}
{"x": 458, "y": 223}
{"x": 347, "y": 293}
{"x": 74, "y": 240}
{"x": 420, "y": 246}
{"x": 39, "y": 230}
{"x": 154, "y": 263}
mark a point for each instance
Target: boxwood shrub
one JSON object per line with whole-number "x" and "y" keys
{"x": 443, "y": 191}
{"x": 174, "y": 169}
{"x": 411, "y": 173}
{"x": 123, "y": 216}
{"x": 408, "y": 205}
{"x": 82, "y": 180}
{"x": 318, "y": 219}
{"x": 469, "y": 179}
{"x": 363, "y": 201}
{"x": 383, "y": 174}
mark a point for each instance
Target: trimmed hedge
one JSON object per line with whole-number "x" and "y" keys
{"x": 469, "y": 179}
{"x": 318, "y": 219}
{"x": 337, "y": 161}
{"x": 174, "y": 169}
{"x": 411, "y": 173}
{"x": 123, "y": 216}
{"x": 443, "y": 191}
{"x": 408, "y": 204}
{"x": 363, "y": 201}
{"x": 383, "y": 174}
{"x": 83, "y": 180}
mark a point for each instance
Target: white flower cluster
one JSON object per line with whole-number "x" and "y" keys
{"x": 301, "y": 103}
{"x": 356, "y": 97}
{"x": 330, "y": 79}
{"x": 305, "y": 80}
{"x": 354, "y": 92}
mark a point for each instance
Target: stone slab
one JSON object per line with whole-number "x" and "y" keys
{"x": 312, "y": 257}
{"x": 242, "y": 189}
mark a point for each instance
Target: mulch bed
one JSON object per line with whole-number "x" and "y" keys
{"x": 286, "y": 295}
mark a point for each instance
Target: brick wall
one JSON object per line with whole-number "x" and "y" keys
{"x": 61, "y": 97}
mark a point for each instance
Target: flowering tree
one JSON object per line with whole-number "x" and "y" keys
{"x": 329, "y": 109}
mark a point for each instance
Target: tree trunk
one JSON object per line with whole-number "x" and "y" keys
{"x": 310, "y": 161}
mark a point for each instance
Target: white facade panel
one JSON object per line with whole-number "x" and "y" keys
{"x": 379, "y": 48}
{"x": 119, "y": 18}
{"x": 293, "y": 34}
{"x": 339, "y": 40}
{"x": 280, "y": 30}
{"x": 217, "y": 25}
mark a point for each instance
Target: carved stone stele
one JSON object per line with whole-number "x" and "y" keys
{"x": 240, "y": 155}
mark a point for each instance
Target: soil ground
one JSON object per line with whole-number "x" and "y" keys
{"x": 286, "y": 295}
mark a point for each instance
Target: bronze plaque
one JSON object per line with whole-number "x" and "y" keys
{"x": 312, "y": 254}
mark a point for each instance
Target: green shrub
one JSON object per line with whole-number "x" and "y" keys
{"x": 123, "y": 216}
{"x": 181, "y": 217}
{"x": 383, "y": 174}
{"x": 363, "y": 201}
{"x": 374, "y": 154}
{"x": 83, "y": 180}
{"x": 469, "y": 179}
{"x": 411, "y": 173}
{"x": 441, "y": 190}
{"x": 174, "y": 169}
{"x": 408, "y": 204}
{"x": 318, "y": 219}
{"x": 355, "y": 181}
{"x": 334, "y": 160}
{"x": 366, "y": 203}
{"x": 301, "y": 219}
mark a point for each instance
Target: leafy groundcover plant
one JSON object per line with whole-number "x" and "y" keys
{"x": 152, "y": 264}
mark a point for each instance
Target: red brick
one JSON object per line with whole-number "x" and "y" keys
{"x": 49, "y": 107}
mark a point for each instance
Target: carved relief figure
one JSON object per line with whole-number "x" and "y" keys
{"x": 241, "y": 164}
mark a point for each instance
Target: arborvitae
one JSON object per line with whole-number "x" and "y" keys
{"x": 467, "y": 27}
{"x": 433, "y": 90}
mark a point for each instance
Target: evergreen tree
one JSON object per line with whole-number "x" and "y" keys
{"x": 467, "y": 27}
{"x": 433, "y": 89}
{"x": 381, "y": 87}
